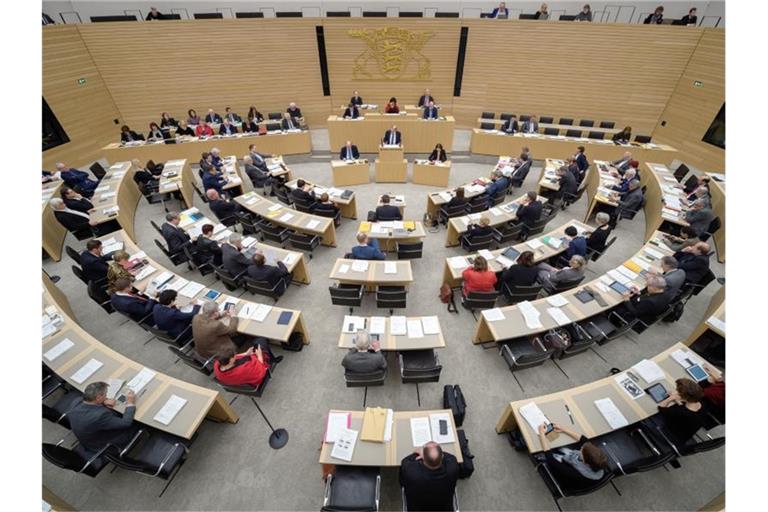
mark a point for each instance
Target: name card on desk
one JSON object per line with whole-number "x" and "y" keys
{"x": 59, "y": 349}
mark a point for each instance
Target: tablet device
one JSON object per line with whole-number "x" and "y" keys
{"x": 619, "y": 287}
{"x": 697, "y": 373}
{"x": 584, "y": 296}
{"x": 511, "y": 253}
{"x": 212, "y": 294}
{"x": 658, "y": 392}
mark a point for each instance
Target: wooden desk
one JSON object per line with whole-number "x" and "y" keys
{"x": 437, "y": 174}
{"x": 390, "y": 342}
{"x": 713, "y": 320}
{"x": 176, "y": 177}
{"x": 513, "y": 325}
{"x": 350, "y": 172}
{"x": 388, "y": 153}
{"x": 560, "y": 127}
{"x": 191, "y": 148}
{"x": 497, "y": 215}
{"x": 494, "y": 142}
{"x": 587, "y": 419}
{"x": 452, "y": 271}
{"x": 373, "y": 275}
{"x": 277, "y": 213}
{"x": 391, "y": 171}
{"x": 419, "y": 135}
{"x": 548, "y": 180}
{"x": 384, "y": 233}
{"x": 294, "y": 260}
{"x": 435, "y": 200}
{"x": 269, "y": 328}
{"x": 54, "y": 233}
{"x": 661, "y": 193}
{"x": 201, "y": 402}
{"x": 347, "y": 207}
{"x": 369, "y": 453}
{"x": 717, "y": 191}
{"x": 599, "y": 185}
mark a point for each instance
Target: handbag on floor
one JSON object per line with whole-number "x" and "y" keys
{"x": 453, "y": 399}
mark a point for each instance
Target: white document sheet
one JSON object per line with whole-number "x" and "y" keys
{"x": 286, "y": 217}
{"x": 557, "y": 301}
{"x": 485, "y": 253}
{"x": 169, "y": 411}
{"x": 114, "y": 246}
{"x": 653, "y": 252}
{"x": 458, "y": 262}
{"x": 352, "y": 324}
{"x": 312, "y": 224}
{"x": 504, "y": 261}
{"x": 141, "y": 379}
{"x": 113, "y": 386}
{"x": 414, "y": 329}
{"x": 716, "y": 323}
{"x": 420, "y": 431}
{"x": 559, "y": 316}
{"x": 58, "y": 349}
{"x": 434, "y": 422}
{"x": 390, "y": 267}
{"x": 534, "y": 244}
{"x": 649, "y": 371}
{"x": 618, "y": 276}
{"x": 533, "y": 415}
{"x": 611, "y": 413}
{"x": 275, "y": 207}
{"x": 493, "y": 314}
{"x": 684, "y": 356}
{"x": 246, "y": 311}
{"x": 262, "y": 310}
{"x": 290, "y": 258}
{"x": 337, "y": 422}
{"x": 431, "y": 325}
{"x": 398, "y": 326}
{"x": 378, "y": 325}
{"x": 191, "y": 289}
{"x": 343, "y": 269}
{"x": 177, "y": 285}
{"x": 388, "y": 425}
{"x": 359, "y": 265}
{"x": 86, "y": 370}
{"x": 555, "y": 242}
{"x": 145, "y": 273}
{"x": 628, "y": 273}
{"x": 530, "y": 314}
{"x": 344, "y": 446}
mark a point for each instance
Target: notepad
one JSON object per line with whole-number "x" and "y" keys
{"x": 431, "y": 325}
{"x": 261, "y": 312}
{"x": 716, "y": 323}
{"x": 493, "y": 314}
{"x": 557, "y": 301}
{"x": 533, "y": 415}
{"x": 336, "y": 424}
{"x": 458, "y": 262}
{"x": 374, "y": 424}
{"x": 111, "y": 247}
{"x": 485, "y": 253}
{"x": 169, "y": 411}
{"x": 398, "y": 326}
{"x": 414, "y": 329}
{"x": 649, "y": 370}
{"x": 378, "y": 325}
{"x": 191, "y": 289}
{"x": 530, "y": 315}
{"x": 343, "y": 269}
{"x": 390, "y": 267}
{"x": 685, "y": 358}
{"x": 86, "y": 370}
{"x": 141, "y": 379}
{"x": 313, "y": 224}
{"x": 611, "y": 413}
{"x": 59, "y": 349}
{"x": 534, "y": 244}
{"x": 420, "y": 431}
{"x": 284, "y": 318}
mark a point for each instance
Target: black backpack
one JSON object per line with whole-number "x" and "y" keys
{"x": 453, "y": 399}
{"x": 467, "y": 466}
{"x": 371, "y": 216}
{"x": 295, "y": 343}
{"x": 676, "y": 313}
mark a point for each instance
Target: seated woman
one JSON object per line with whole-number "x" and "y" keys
{"x": 255, "y": 114}
{"x": 183, "y": 129}
{"x": 208, "y": 249}
{"x": 143, "y": 175}
{"x": 250, "y": 126}
{"x": 203, "y": 130}
{"x": 481, "y": 229}
{"x": 166, "y": 121}
{"x": 118, "y": 269}
{"x": 438, "y": 154}
{"x": 192, "y": 117}
{"x": 128, "y": 135}
{"x": 597, "y": 238}
{"x": 392, "y": 107}
{"x": 682, "y": 412}
{"x": 551, "y": 278}
{"x": 246, "y": 369}
{"x": 155, "y": 133}
{"x": 522, "y": 273}
{"x": 623, "y": 136}
{"x": 573, "y": 468}
{"x": 478, "y": 278}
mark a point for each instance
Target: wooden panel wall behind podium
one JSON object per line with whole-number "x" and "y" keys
{"x": 201, "y": 64}
{"x": 84, "y": 111}
{"x": 441, "y": 50}
{"x": 691, "y": 109}
{"x": 598, "y": 71}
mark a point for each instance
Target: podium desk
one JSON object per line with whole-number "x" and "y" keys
{"x": 389, "y": 153}
{"x": 391, "y": 171}
{"x": 389, "y": 234}
{"x": 350, "y": 172}
{"x": 435, "y": 173}
{"x": 419, "y": 135}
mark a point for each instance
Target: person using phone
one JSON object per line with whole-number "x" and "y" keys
{"x": 365, "y": 357}
{"x": 246, "y": 369}
{"x": 95, "y": 424}
{"x": 683, "y": 412}
{"x": 573, "y": 467}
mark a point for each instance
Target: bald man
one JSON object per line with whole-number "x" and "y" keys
{"x": 429, "y": 478}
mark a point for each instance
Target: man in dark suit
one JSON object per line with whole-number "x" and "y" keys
{"x": 511, "y": 125}
{"x": 77, "y": 180}
{"x": 214, "y": 180}
{"x": 75, "y": 201}
{"x": 622, "y": 164}
{"x": 428, "y": 478}
{"x": 365, "y": 357}
{"x": 294, "y": 111}
{"x": 351, "y": 112}
{"x": 568, "y": 184}
{"x": 168, "y": 317}
{"x": 367, "y": 249}
{"x": 174, "y": 236}
{"x": 498, "y": 186}
{"x": 349, "y": 152}
{"x": 208, "y": 249}
{"x": 259, "y": 174}
{"x": 303, "y": 193}
{"x": 232, "y": 258}
{"x": 259, "y": 159}
{"x": 623, "y": 186}
{"x": 356, "y": 99}
{"x": 212, "y": 117}
{"x": 135, "y": 306}
{"x": 96, "y": 425}
{"x": 529, "y": 210}
{"x": 631, "y": 202}
{"x": 277, "y": 276}
{"x": 70, "y": 219}
{"x": 694, "y": 260}
{"x": 289, "y": 123}
{"x": 430, "y": 111}
{"x": 425, "y": 99}
{"x": 224, "y": 210}
{"x": 581, "y": 159}
{"x": 233, "y": 118}
{"x": 392, "y": 137}
{"x": 386, "y": 211}
{"x": 646, "y": 307}
{"x": 227, "y": 128}
{"x": 93, "y": 262}
{"x": 531, "y": 125}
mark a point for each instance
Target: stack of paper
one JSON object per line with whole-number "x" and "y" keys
{"x": 557, "y": 301}
{"x": 169, "y": 411}
{"x": 191, "y": 289}
{"x": 685, "y": 358}
{"x": 611, "y": 413}
{"x": 145, "y": 272}
{"x": 649, "y": 370}
{"x": 458, "y": 262}
{"x": 352, "y": 324}
{"x": 58, "y": 349}
{"x": 398, "y": 326}
{"x": 414, "y": 329}
{"x": 275, "y": 207}
{"x": 374, "y": 424}
{"x": 141, "y": 379}
{"x": 420, "y": 431}
{"x": 431, "y": 325}
{"x": 530, "y": 314}
{"x": 378, "y": 325}
{"x": 533, "y": 415}
{"x": 493, "y": 314}
{"x": 344, "y": 445}
{"x": 359, "y": 265}
{"x": 559, "y": 316}
{"x": 337, "y": 422}
{"x": 343, "y": 268}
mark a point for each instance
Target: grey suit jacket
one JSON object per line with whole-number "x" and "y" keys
{"x": 233, "y": 260}
{"x": 632, "y": 201}
{"x": 363, "y": 362}
{"x": 551, "y": 279}
{"x": 675, "y": 279}
{"x": 95, "y": 426}
{"x": 699, "y": 219}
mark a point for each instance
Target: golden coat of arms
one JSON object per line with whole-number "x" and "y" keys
{"x": 395, "y": 52}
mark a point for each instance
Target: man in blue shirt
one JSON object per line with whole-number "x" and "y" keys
{"x": 430, "y": 111}
{"x": 498, "y": 186}
{"x": 77, "y": 180}
{"x": 169, "y": 318}
{"x": 367, "y": 249}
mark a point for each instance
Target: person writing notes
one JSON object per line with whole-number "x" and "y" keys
{"x": 392, "y": 137}
{"x": 349, "y": 152}
{"x": 438, "y": 154}
{"x": 365, "y": 357}
{"x": 351, "y": 112}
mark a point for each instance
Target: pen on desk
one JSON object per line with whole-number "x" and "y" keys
{"x": 568, "y": 410}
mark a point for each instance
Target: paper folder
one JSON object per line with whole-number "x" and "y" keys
{"x": 374, "y": 424}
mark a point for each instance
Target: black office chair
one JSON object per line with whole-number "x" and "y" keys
{"x": 488, "y": 115}
{"x": 524, "y": 118}
{"x": 538, "y": 226}
{"x": 157, "y": 228}
{"x": 352, "y": 488}
{"x": 546, "y": 120}
{"x": 153, "y": 195}
{"x": 349, "y": 295}
{"x": 691, "y": 289}
{"x": 409, "y": 251}
{"x": 85, "y": 233}
{"x": 607, "y": 327}
{"x": 249, "y": 222}
{"x": 365, "y": 380}
{"x": 77, "y": 459}
{"x": 176, "y": 258}
{"x": 487, "y": 126}
{"x": 595, "y": 255}
{"x": 191, "y": 358}
{"x": 99, "y": 295}
{"x": 578, "y": 344}
{"x": 98, "y": 170}
{"x": 158, "y": 454}
{"x": 79, "y": 273}
{"x": 58, "y": 411}
{"x": 632, "y": 451}
{"x": 418, "y": 366}
{"x": 515, "y": 294}
{"x": 304, "y": 242}
{"x": 524, "y": 353}
{"x": 283, "y": 196}
{"x": 73, "y": 254}
{"x": 279, "y": 437}
{"x": 479, "y": 301}
{"x": 505, "y": 117}
{"x": 196, "y": 261}
{"x": 551, "y": 131}
{"x": 476, "y": 205}
{"x": 274, "y": 116}
{"x": 586, "y": 122}
{"x": 199, "y": 193}
{"x": 566, "y": 121}
{"x": 179, "y": 341}
{"x": 274, "y": 233}
{"x": 273, "y": 127}
{"x": 642, "y": 139}
{"x": 681, "y": 172}
{"x": 476, "y": 243}
{"x": 446, "y": 213}
{"x": 231, "y": 282}
{"x": 573, "y": 133}
{"x": 506, "y": 233}
{"x": 264, "y": 288}
{"x": 596, "y": 135}
{"x": 607, "y": 124}
{"x": 302, "y": 205}
{"x": 391, "y": 297}
{"x": 336, "y": 216}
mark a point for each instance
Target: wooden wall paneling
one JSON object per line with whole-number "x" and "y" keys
{"x": 128, "y": 196}
{"x": 594, "y": 71}
{"x": 201, "y": 64}
{"x": 441, "y": 50}
{"x": 84, "y": 111}
{"x": 690, "y": 110}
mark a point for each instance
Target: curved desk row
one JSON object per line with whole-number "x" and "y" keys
{"x": 417, "y": 337}
{"x": 663, "y": 198}
{"x": 84, "y": 349}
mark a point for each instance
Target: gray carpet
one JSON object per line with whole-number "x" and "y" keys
{"x": 231, "y": 467}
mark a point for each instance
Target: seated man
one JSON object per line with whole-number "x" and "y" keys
{"x": 367, "y": 249}
{"x": 498, "y": 186}
{"x": 77, "y": 180}
{"x": 428, "y": 477}
{"x": 349, "y": 152}
{"x": 392, "y": 137}
{"x": 259, "y": 160}
{"x": 531, "y": 125}
{"x": 577, "y": 244}
{"x": 632, "y": 201}
{"x": 568, "y": 184}
{"x": 232, "y": 258}
{"x": 227, "y": 128}
{"x": 216, "y": 159}
{"x": 231, "y": 116}
{"x": 75, "y": 201}
{"x": 673, "y": 276}
{"x": 224, "y": 210}
{"x": 694, "y": 260}
{"x": 529, "y": 210}
{"x": 623, "y": 186}
{"x": 552, "y": 278}
{"x": 365, "y": 357}
{"x": 699, "y": 216}
{"x": 294, "y": 111}
{"x": 511, "y": 126}
{"x": 96, "y": 425}
{"x": 212, "y": 117}
{"x": 351, "y": 112}
{"x": 387, "y": 211}
{"x": 169, "y": 318}
{"x": 174, "y": 236}
{"x": 303, "y": 193}
{"x": 212, "y": 335}
{"x": 70, "y": 219}
{"x": 207, "y": 248}
{"x": 425, "y": 98}
{"x": 276, "y": 276}
{"x": 326, "y": 208}
{"x": 246, "y": 369}
{"x": 686, "y": 238}
{"x": 646, "y": 307}
{"x": 133, "y": 305}
{"x": 214, "y": 180}
{"x": 430, "y": 111}
{"x": 622, "y": 164}
{"x": 289, "y": 122}
{"x": 93, "y": 262}
{"x": 258, "y": 174}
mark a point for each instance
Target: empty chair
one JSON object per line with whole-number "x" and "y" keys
{"x": 79, "y": 273}
{"x": 633, "y": 451}
{"x": 264, "y": 288}
{"x": 248, "y": 223}
{"x": 506, "y": 233}
{"x": 568, "y": 198}
{"x": 176, "y": 258}
{"x": 273, "y": 127}
{"x": 607, "y": 124}
{"x": 607, "y": 327}
{"x": 487, "y": 115}
{"x": 199, "y": 192}
{"x": 596, "y": 135}
{"x": 349, "y": 295}
{"x": 537, "y": 227}
{"x": 166, "y": 338}
{"x": 189, "y": 356}
{"x": 57, "y": 412}
{"x": 303, "y": 242}
{"x": 586, "y": 122}
{"x": 546, "y": 120}
{"x": 231, "y": 282}
{"x": 476, "y": 205}
{"x": 391, "y": 297}
{"x": 157, "y": 228}
{"x": 487, "y": 126}
{"x": 77, "y": 459}
{"x": 505, "y": 116}
{"x": 524, "y": 118}
{"x": 566, "y": 121}
{"x": 446, "y": 212}
{"x": 409, "y": 251}
{"x": 283, "y": 196}
{"x": 205, "y": 267}
{"x": 476, "y": 243}
{"x": 73, "y": 254}
{"x": 274, "y": 116}
{"x": 417, "y": 366}
{"x": 515, "y": 294}
{"x": 573, "y": 133}
{"x": 352, "y": 488}
{"x": 365, "y": 380}
{"x": 274, "y": 233}
{"x": 642, "y": 139}
{"x": 521, "y": 353}
{"x": 551, "y": 131}
{"x": 98, "y": 170}
{"x": 474, "y": 301}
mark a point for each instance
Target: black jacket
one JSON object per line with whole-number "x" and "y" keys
{"x": 519, "y": 275}
{"x": 438, "y": 154}
{"x": 94, "y": 267}
{"x": 223, "y": 209}
{"x": 174, "y": 237}
{"x": 208, "y": 250}
{"x": 271, "y": 274}
{"x": 695, "y": 266}
{"x": 233, "y": 260}
{"x": 388, "y": 212}
{"x": 598, "y": 238}
{"x": 429, "y": 489}
{"x": 343, "y": 152}
{"x": 79, "y": 205}
{"x": 95, "y": 426}
{"x": 568, "y": 184}
{"x": 530, "y": 213}
{"x": 71, "y": 221}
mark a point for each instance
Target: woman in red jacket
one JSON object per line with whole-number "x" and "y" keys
{"x": 246, "y": 369}
{"x": 478, "y": 278}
